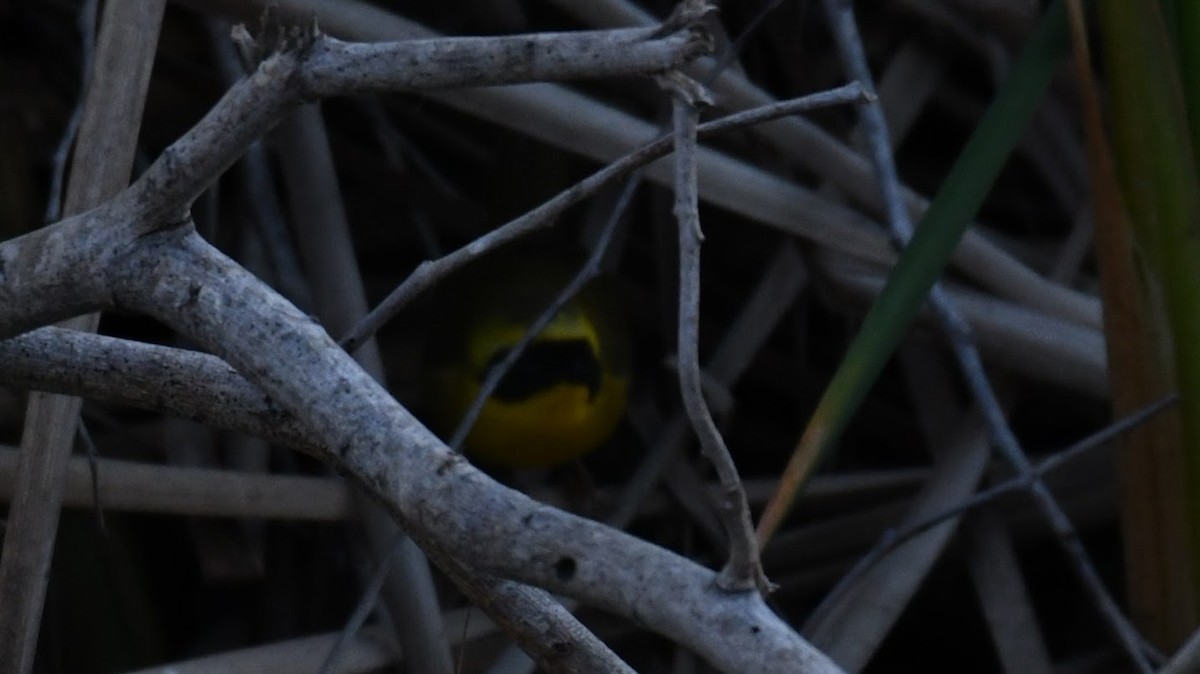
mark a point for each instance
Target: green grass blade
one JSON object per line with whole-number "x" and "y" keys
{"x": 922, "y": 262}
{"x": 1150, "y": 85}
{"x": 1187, "y": 36}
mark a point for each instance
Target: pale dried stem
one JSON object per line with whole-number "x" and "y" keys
{"x": 743, "y": 570}
{"x": 149, "y": 260}
{"x": 112, "y": 112}
{"x": 322, "y": 234}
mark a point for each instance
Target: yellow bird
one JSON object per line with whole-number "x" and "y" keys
{"x": 566, "y": 393}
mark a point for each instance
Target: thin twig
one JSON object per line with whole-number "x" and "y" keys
{"x": 1186, "y": 659}
{"x": 542, "y": 627}
{"x": 93, "y": 460}
{"x": 193, "y": 492}
{"x": 510, "y": 660}
{"x": 322, "y": 233}
{"x": 362, "y": 611}
{"x": 112, "y": 111}
{"x": 430, "y": 273}
{"x": 453, "y": 510}
{"x": 1004, "y": 595}
{"x": 86, "y": 22}
{"x": 802, "y": 142}
{"x": 841, "y": 17}
{"x": 776, "y": 291}
{"x": 731, "y": 52}
{"x": 258, "y": 181}
{"x": 589, "y": 270}
{"x": 892, "y": 539}
{"x": 743, "y": 571}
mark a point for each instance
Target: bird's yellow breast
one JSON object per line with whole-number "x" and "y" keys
{"x": 560, "y": 400}
{"x": 552, "y": 426}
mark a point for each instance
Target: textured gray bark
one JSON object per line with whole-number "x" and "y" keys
{"x": 139, "y": 252}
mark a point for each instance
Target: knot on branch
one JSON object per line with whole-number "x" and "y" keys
{"x": 274, "y": 37}
{"x": 690, "y": 15}
{"x": 685, "y": 88}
